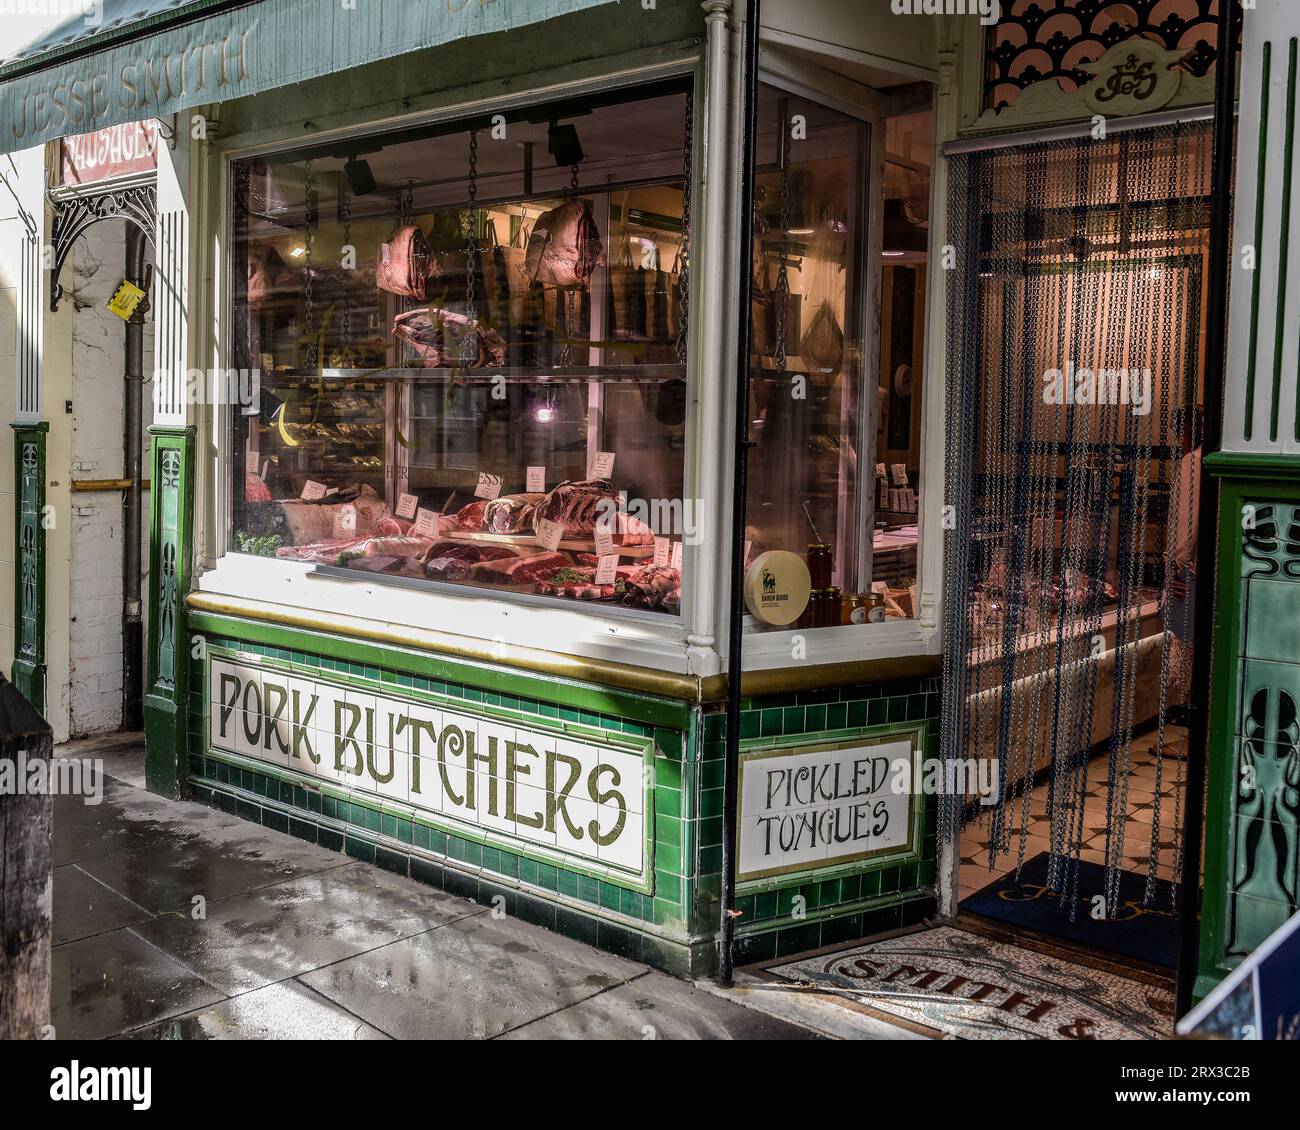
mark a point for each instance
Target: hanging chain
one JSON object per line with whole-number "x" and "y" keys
{"x": 347, "y": 358}
{"x": 573, "y": 178}
{"x": 684, "y": 251}
{"x": 469, "y": 343}
{"x": 782, "y": 272}
{"x": 309, "y": 225}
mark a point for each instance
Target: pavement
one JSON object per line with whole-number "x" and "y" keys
{"x": 174, "y": 921}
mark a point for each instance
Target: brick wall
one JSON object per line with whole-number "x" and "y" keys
{"x": 95, "y": 571}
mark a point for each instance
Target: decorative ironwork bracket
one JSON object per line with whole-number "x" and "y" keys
{"x": 136, "y": 204}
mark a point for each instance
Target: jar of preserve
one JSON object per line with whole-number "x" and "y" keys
{"x": 819, "y": 565}
{"x": 830, "y": 608}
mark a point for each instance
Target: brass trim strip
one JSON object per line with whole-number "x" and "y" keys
{"x": 620, "y": 676}
{"x": 86, "y": 486}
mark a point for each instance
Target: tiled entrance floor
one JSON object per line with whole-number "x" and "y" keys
{"x": 1143, "y": 809}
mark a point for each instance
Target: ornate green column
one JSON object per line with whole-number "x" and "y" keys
{"x": 1252, "y": 835}
{"x": 166, "y": 696}
{"x": 28, "y": 673}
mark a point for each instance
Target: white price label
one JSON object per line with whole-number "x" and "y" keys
{"x": 426, "y": 524}
{"x": 266, "y": 466}
{"x": 406, "y": 505}
{"x": 606, "y": 570}
{"x": 898, "y": 473}
{"x": 677, "y": 556}
{"x": 332, "y": 490}
{"x": 603, "y": 466}
{"x": 489, "y": 486}
{"x": 312, "y": 490}
{"x": 549, "y": 534}
{"x": 604, "y": 538}
{"x": 663, "y": 551}
{"x": 536, "y": 483}
{"x": 345, "y": 521}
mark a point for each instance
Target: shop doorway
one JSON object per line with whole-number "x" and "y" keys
{"x": 1075, "y": 358}
{"x": 103, "y": 240}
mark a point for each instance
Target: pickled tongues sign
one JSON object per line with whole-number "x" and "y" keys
{"x": 578, "y": 797}
{"x": 812, "y": 808}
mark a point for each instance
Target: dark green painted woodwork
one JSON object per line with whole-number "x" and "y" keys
{"x": 671, "y": 924}
{"x": 1252, "y": 841}
{"x": 28, "y": 672}
{"x": 166, "y": 697}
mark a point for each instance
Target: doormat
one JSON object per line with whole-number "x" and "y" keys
{"x": 1147, "y": 933}
{"x": 969, "y": 987}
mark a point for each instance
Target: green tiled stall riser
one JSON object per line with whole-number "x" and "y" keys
{"x": 646, "y": 920}
{"x": 848, "y": 901}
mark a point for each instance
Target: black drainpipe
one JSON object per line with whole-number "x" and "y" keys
{"x": 739, "y": 491}
{"x": 132, "y": 441}
{"x": 1216, "y": 332}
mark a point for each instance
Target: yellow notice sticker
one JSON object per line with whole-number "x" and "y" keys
{"x": 124, "y": 302}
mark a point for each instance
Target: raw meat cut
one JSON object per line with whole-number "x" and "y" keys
{"x": 565, "y": 246}
{"x": 519, "y": 570}
{"x": 326, "y": 551}
{"x": 397, "y": 547}
{"x": 577, "y": 505}
{"x": 649, "y": 586}
{"x": 451, "y": 560}
{"x": 472, "y": 517}
{"x": 511, "y": 513}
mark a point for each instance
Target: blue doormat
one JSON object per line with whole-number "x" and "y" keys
{"x": 1146, "y": 933}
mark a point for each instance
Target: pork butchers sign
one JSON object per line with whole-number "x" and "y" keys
{"x": 577, "y": 797}
{"x": 808, "y": 808}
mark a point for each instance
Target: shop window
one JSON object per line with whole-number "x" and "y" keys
{"x": 836, "y": 472}
{"x": 471, "y": 349}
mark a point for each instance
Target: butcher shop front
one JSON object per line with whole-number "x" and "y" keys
{"x": 443, "y": 466}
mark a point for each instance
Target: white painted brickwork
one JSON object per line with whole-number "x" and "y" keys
{"x": 97, "y": 397}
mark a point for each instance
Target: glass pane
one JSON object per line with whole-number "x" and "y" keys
{"x": 809, "y": 465}
{"x": 455, "y": 333}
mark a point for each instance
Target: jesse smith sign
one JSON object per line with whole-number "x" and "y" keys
{"x": 577, "y": 797}
{"x": 139, "y": 87}
{"x": 814, "y": 808}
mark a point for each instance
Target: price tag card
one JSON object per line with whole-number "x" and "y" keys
{"x": 549, "y": 534}
{"x": 603, "y": 466}
{"x": 604, "y": 537}
{"x": 898, "y": 473}
{"x": 880, "y": 471}
{"x": 266, "y": 466}
{"x": 345, "y": 521}
{"x": 606, "y": 570}
{"x": 663, "y": 551}
{"x": 332, "y": 490}
{"x": 879, "y": 586}
{"x": 406, "y": 505}
{"x": 312, "y": 490}
{"x": 677, "y": 556}
{"x": 536, "y": 483}
{"x": 489, "y": 486}
{"x": 426, "y": 524}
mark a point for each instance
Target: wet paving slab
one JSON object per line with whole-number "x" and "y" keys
{"x": 84, "y": 907}
{"x": 278, "y": 932}
{"x": 112, "y": 982}
{"x": 287, "y": 1011}
{"x": 174, "y": 921}
{"x": 657, "y": 1007}
{"x": 473, "y": 982}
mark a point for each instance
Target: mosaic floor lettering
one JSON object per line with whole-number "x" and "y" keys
{"x": 974, "y": 988}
